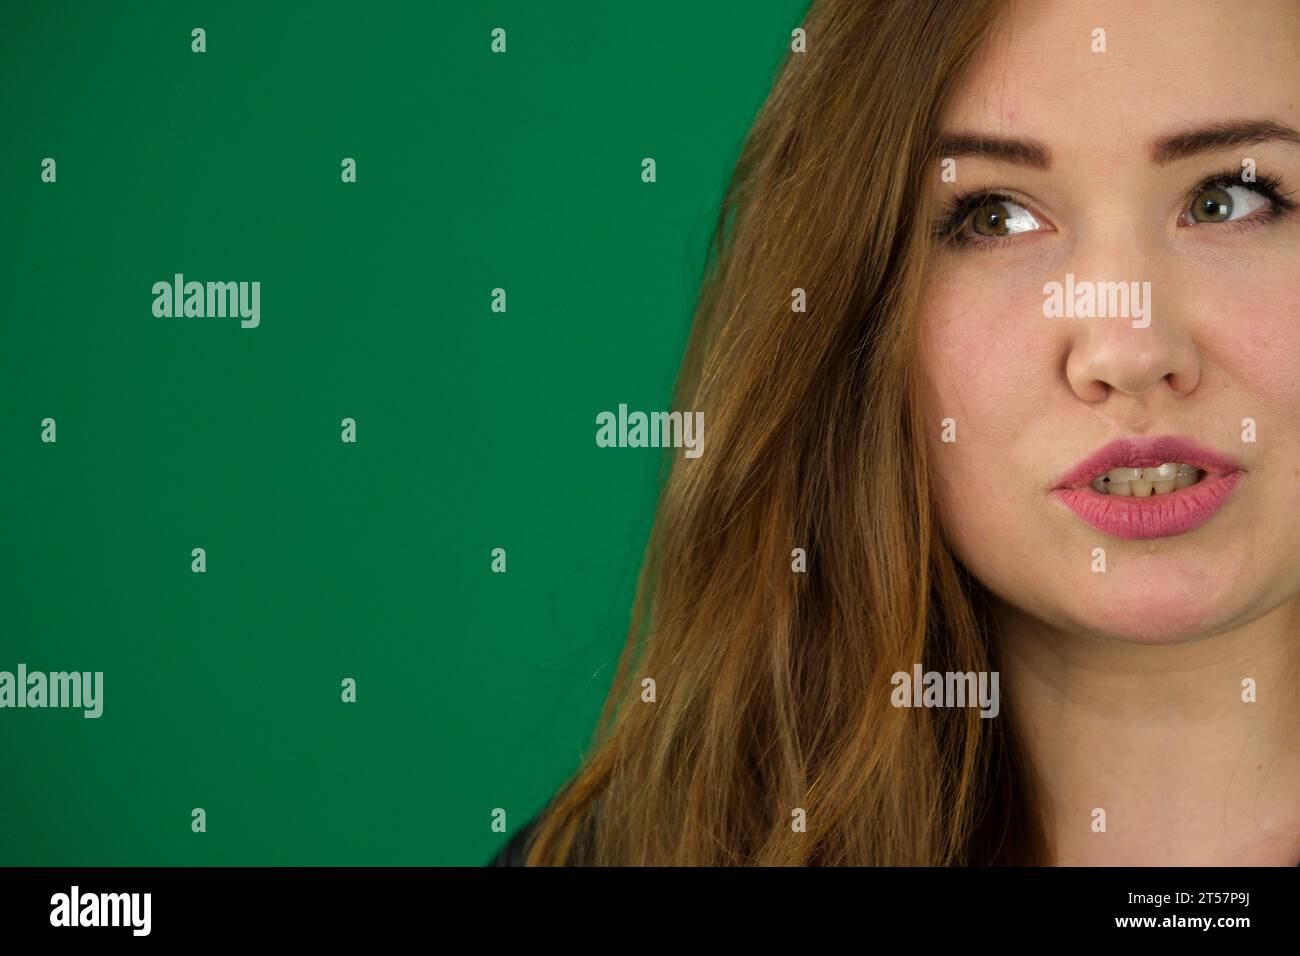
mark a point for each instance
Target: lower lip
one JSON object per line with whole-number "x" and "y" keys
{"x": 1158, "y": 516}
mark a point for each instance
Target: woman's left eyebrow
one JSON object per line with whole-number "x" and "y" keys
{"x": 1165, "y": 150}
{"x": 1219, "y": 136}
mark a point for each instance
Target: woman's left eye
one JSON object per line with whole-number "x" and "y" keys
{"x": 1222, "y": 204}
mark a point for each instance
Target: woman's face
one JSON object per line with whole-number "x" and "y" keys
{"x": 1148, "y": 162}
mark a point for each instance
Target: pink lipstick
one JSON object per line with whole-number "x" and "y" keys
{"x": 1135, "y": 512}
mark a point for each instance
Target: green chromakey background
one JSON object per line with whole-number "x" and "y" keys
{"x": 475, "y": 429}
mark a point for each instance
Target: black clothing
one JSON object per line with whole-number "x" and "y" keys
{"x": 515, "y": 849}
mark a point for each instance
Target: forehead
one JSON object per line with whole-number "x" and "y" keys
{"x": 1166, "y": 64}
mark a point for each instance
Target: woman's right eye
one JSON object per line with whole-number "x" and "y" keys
{"x": 995, "y": 217}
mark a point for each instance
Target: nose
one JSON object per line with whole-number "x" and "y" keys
{"x": 1144, "y": 350}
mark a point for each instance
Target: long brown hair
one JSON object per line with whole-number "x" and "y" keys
{"x": 771, "y": 685}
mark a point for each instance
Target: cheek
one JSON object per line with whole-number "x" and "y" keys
{"x": 985, "y": 370}
{"x": 1249, "y": 336}
{"x": 1251, "y": 329}
{"x": 977, "y": 351}
{"x": 1269, "y": 367}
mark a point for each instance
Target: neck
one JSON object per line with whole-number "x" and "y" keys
{"x": 1160, "y": 739}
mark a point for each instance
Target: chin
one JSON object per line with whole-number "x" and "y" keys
{"x": 1157, "y": 613}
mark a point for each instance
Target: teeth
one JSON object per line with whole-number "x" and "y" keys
{"x": 1147, "y": 482}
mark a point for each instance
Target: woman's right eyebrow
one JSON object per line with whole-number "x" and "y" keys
{"x": 1164, "y": 150}
{"x": 1022, "y": 152}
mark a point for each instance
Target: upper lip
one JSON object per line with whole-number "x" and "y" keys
{"x": 1146, "y": 453}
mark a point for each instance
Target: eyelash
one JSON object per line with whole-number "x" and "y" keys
{"x": 950, "y": 226}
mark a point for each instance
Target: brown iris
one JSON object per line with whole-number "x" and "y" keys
{"x": 989, "y": 219}
{"x": 1212, "y": 205}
